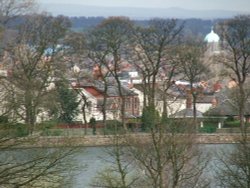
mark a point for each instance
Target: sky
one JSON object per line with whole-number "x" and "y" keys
{"x": 235, "y": 5}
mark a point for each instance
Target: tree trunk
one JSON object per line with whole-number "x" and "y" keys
{"x": 104, "y": 106}
{"x": 242, "y": 111}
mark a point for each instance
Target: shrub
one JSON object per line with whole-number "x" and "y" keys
{"x": 113, "y": 126}
{"x": 20, "y": 130}
{"x": 231, "y": 124}
{"x": 4, "y": 119}
{"x": 208, "y": 128}
{"x": 150, "y": 118}
{"x": 52, "y": 132}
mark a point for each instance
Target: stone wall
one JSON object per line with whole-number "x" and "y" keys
{"x": 102, "y": 140}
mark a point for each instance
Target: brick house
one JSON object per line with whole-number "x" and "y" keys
{"x": 95, "y": 95}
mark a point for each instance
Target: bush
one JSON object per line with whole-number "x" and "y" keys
{"x": 52, "y": 132}
{"x": 16, "y": 129}
{"x": 48, "y": 128}
{"x": 22, "y": 130}
{"x": 182, "y": 125}
{"x": 150, "y": 118}
{"x": 113, "y": 126}
{"x": 4, "y": 119}
{"x": 231, "y": 124}
{"x": 47, "y": 124}
{"x": 208, "y": 128}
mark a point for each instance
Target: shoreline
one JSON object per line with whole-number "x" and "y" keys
{"x": 107, "y": 140}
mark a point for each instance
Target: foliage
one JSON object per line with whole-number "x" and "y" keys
{"x": 230, "y": 124}
{"x": 208, "y": 128}
{"x": 4, "y": 119}
{"x": 51, "y": 132}
{"x": 177, "y": 125}
{"x": 113, "y": 127}
{"x": 68, "y": 103}
{"x": 21, "y": 130}
{"x": 14, "y": 129}
{"x": 150, "y": 118}
{"x": 47, "y": 124}
{"x": 48, "y": 128}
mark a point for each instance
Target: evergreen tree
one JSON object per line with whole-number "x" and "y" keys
{"x": 150, "y": 118}
{"x": 68, "y": 103}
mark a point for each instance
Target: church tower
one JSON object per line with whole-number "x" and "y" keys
{"x": 213, "y": 49}
{"x": 212, "y": 40}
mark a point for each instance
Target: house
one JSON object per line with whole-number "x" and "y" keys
{"x": 95, "y": 94}
{"x": 227, "y": 106}
{"x": 175, "y": 99}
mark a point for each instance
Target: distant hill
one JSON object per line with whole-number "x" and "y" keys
{"x": 136, "y": 13}
{"x": 194, "y": 26}
{"x": 197, "y": 27}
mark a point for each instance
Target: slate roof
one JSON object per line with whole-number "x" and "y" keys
{"x": 205, "y": 99}
{"x": 186, "y": 113}
{"x": 225, "y": 106}
{"x": 226, "y": 109}
{"x": 112, "y": 88}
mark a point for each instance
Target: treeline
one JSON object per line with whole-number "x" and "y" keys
{"x": 192, "y": 26}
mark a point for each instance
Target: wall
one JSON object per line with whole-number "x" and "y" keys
{"x": 102, "y": 140}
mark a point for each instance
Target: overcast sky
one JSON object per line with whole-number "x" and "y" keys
{"x": 236, "y": 5}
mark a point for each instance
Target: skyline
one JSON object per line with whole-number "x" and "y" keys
{"x": 146, "y": 9}
{"x": 231, "y": 5}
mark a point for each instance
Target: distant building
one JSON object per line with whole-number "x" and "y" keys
{"x": 213, "y": 49}
{"x": 212, "y": 40}
{"x": 94, "y": 92}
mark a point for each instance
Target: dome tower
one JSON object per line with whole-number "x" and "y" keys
{"x": 212, "y": 40}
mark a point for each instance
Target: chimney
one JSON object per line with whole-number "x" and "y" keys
{"x": 189, "y": 101}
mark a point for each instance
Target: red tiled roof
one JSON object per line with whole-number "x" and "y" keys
{"x": 93, "y": 91}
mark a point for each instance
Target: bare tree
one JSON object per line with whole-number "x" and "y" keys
{"x": 77, "y": 58}
{"x": 76, "y": 51}
{"x": 40, "y": 167}
{"x": 169, "y": 72}
{"x": 113, "y": 40}
{"x": 151, "y": 48}
{"x": 233, "y": 166}
{"x": 33, "y": 61}
{"x": 10, "y": 9}
{"x": 235, "y": 34}
{"x": 167, "y": 158}
{"x": 99, "y": 56}
{"x": 193, "y": 69}
{"x": 120, "y": 173}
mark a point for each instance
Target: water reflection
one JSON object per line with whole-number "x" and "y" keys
{"x": 92, "y": 157}
{"x": 89, "y": 161}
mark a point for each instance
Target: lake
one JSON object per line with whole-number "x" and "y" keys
{"x": 93, "y": 158}
{"x": 90, "y": 160}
